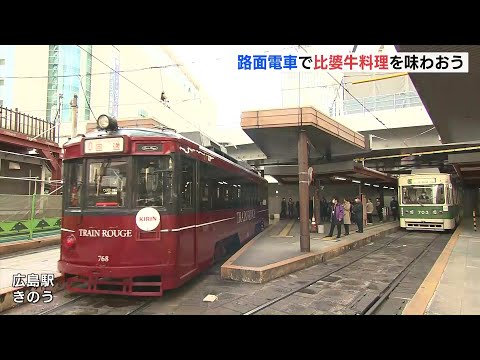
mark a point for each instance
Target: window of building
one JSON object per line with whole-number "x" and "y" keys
{"x": 1, "y": 102}
{"x": 2, "y": 61}
{"x": 2, "y": 82}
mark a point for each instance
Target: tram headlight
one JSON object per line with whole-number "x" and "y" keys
{"x": 106, "y": 122}
{"x": 434, "y": 212}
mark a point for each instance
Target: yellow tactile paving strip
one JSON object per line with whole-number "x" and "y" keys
{"x": 422, "y": 297}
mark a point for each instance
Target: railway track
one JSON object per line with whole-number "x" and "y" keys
{"x": 372, "y": 306}
{"x": 73, "y": 304}
{"x": 63, "y": 306}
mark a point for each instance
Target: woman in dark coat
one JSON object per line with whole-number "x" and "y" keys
{"x": 283, "y": 212}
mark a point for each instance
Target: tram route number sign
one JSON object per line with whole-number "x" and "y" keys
{"x": 107, "y": 145}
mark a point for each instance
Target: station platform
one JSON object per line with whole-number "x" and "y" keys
{"x": 452, "y": 287}
{"x": 276, "y": 251}
{"x": 9, "y": 245}
{"x": 38, "y": 261}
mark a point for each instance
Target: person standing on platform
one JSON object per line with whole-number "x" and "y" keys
{"x": 379, "y": 210}
{"x": 283, "y": 213}
{"x": 394, "y": 207}
{"x": 346, "y": 217}
{"x": 357, "y": 213}
{"x": 297, "y": 206}
{"x": 323, "y": 209}
{"x": 290, "y": 208}
{"x": 369, "y": 211}
{"x": 336, "y": 217}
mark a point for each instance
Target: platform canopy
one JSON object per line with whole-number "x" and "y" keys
{"x": 451, "y": 100}
{"x": 467, "y": 167}
{"x": 275, "y": 132}
{"x": 340, "y": 172}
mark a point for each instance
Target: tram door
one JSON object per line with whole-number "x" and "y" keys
{"x": 186, "y": 247}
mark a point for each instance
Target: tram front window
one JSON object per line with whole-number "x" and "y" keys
{"x": 154, "y": 177}
{"x": 422, "y": 194}
{"x": 107, "y": 182}
{"x": 73, "y": 182}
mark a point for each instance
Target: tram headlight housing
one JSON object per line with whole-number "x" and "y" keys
{"x": 105, "y": 122}
{"x": 434, "y": 212}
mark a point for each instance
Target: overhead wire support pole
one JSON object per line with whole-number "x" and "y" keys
{"x": 303, "y": 181}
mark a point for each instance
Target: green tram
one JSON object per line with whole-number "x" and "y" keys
{"x": 429, "y": 202}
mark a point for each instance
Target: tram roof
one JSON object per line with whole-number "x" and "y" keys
{"x": 168, "y": 133}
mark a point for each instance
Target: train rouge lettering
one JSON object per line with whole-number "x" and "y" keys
{"x": 247, "y": 215}
{"x": 147, "y": 218}
{"x": 105, "y": 233}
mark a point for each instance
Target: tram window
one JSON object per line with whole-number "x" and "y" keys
{"x": 154, "y": 181}
{"x": 107, "y": 183}
{"x": 187, "y": 183}
{"x": 423, "y": 194}
{"x": 248, "y": 192}
{"x": 74, "y": 181}
{"x": 206, "y": 187}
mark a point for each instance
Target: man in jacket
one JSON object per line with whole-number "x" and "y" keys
{"x": 379, "y": 210}
{"x": 283, "y": 213}
{"x": 394, "y": 207}
{"x": 357, "y": 213}
{"x": 336, "y": 217}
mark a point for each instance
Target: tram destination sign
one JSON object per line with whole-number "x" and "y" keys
{"x": 107, "y": 145}
{"x": 424, "y": 181}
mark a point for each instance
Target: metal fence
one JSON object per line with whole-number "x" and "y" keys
{"x": 29, "y": 214}
{"x": 26, "y": 124}
{"x": 384, "y": 102}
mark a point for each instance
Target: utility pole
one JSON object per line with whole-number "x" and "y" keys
{"x": 303, "y": 184}
{"x": 74, "y": 105}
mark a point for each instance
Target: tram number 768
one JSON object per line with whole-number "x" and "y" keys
{"x": 102, "y": 258}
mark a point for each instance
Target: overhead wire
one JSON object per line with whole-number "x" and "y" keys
{"x": 196, "y": 62}
{"x": 143, "y": 90}
{"x": 140, "y": 88}
{"x": 86, "y": 98}
{"x": 126, "y": 104}
{"x": 368, "y": 110}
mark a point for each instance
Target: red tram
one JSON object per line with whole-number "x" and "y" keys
{"x": 146, "y": 210}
